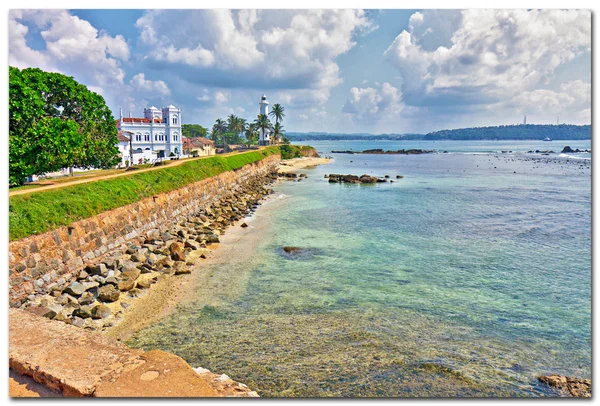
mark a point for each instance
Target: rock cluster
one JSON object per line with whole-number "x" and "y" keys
{"x": 336, "y": 178}
{"x": 289, "y": 175}
{"x": 98, "y": 293}
{"x": 581, "y": 388}
{"x": 568, "y": 150}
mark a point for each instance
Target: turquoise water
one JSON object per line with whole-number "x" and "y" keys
{"x": 470, "y": 276}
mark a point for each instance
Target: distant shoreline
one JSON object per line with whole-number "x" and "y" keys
{"x": 529, "y": 132}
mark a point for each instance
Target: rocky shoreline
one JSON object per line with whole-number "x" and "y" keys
{"x": 98, "y": 296}
{"x": 379, "y": 151}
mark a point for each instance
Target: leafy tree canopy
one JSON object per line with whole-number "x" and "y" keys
{"x": 193, "y": 130}
{"x": 54, "y": 123}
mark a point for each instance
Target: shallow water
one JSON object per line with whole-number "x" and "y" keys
{"x": 470, "y": 276}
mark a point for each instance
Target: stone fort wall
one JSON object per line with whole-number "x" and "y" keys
{"x": 38, "y": 262}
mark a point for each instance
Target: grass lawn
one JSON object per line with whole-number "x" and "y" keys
{"x": 38, "y": 212}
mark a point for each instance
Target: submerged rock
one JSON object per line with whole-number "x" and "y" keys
{"x": 580, "y": 388}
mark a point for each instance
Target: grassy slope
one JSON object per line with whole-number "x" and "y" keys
{"x": 38, "y": 212}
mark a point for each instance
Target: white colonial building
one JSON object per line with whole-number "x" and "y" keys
{"x": 156, "y": 135}
{"x": 264, "y": 135}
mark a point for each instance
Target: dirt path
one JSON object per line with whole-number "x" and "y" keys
{"x": 124, "y": 173}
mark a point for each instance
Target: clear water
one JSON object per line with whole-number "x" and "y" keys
{"x": 470, "y": 276}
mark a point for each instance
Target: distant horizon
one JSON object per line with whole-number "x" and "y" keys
{"x": 416, "y": 133}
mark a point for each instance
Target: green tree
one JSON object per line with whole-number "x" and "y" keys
{"x": 277, "y": 133}
{"x": 251, "y": 133}
{"x": 218, "y": 130}
{"x": 277, "y": 112}
{"x": 54, "y": 123}
{"x": 193, "y": 130}
{"x": 262, "y": 123}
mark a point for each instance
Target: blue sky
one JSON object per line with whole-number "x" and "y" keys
{"x": 371, "y": 71}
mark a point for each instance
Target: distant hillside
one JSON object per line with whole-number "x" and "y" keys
{"x": 506, "y": 132}
{"x": 515, "y": 132}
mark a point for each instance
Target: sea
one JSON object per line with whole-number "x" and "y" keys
{"x": 467, "y": 274}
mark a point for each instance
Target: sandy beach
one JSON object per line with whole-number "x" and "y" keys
{"x": 294, "y": 164}
{"x": 237, "y": 245}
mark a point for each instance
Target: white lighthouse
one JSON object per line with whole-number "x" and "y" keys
{"x": 264, "y": 138}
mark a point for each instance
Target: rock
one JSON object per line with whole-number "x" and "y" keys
{"x": 368, "y": 179}
{"x": 387, "y": 176}
{"x": 180, "y": 268}
{"x": 176, "y": 251}
{"x": 42, "y": 311}
{"x": 82, "y": 275}
{"x": 399, "y": 176}
{"x": 567, "y": 149}
{"x": 111, "y": 280}
{"x": 291, "y": 250}
{"x": 138, "y": 257}
{"x": 125, "y": 284}
{"x": 131, "y": 273}
{"x": 108, "y": 293}
{"x": 85, "y": 312}
{"x": 581, "y": 388}
{"x": 212, "y": 239}
{"x": 86, "y": 299}
{"x": 99, "y": 269}
{"x": 77, "y": 321}
{"x": 90, "y": 285}
{"x": 244, "y": 225}
{"x": 75, "y": 289}
{"x": 100, "y": 312}
{"x": 143, "y": 284}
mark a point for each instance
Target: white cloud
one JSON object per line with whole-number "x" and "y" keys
{"x": 369, "y": 105}
{"x": 494, "y": 53}
{"x": 71, "y": 43}
{"x": 140, "y": 84}
{"x": 287, "y": 49}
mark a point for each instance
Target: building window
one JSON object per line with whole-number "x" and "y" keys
{"x": 175, "y": 120}
{"x": 155, "y": 137}
{"x": 147, "y": 137}
{"x": 138, "y": 137}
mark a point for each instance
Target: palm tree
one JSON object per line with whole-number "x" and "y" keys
{"x": 277, "y": 133}
{"x": 277, "y": 112}
{"x": 218, "y": 129}
{"x": 251, "y": 132}
{"x": 263, "y": 123}
{"x": 242, "y": 124}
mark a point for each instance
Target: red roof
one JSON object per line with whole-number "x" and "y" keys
{"x": 196, "y": 142}
{"x": 122, "y": 137}
{"x": 140, "y": 120}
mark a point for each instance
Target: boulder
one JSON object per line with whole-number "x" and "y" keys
{"x": 244, "y": 225}
{"x": 86, "y": 299}
{"x": 125, "y": 284}
{"x": 180, "y": 268}
{"x": 291, "y": 250}
{"x": 84, "y": 312}
{"x": 99, "y": 269}
{"x": 82, "y": 275}
{"x": 143, "y": 284}
{"x": 74, "y": 289}
{"x": 108, "y": 293}
{"x": 42, "y": 311}
{"x": 567, "y": 149}
{"x": 100, "y": 312}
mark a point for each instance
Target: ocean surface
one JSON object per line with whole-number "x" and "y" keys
{"x": 469, "y": 276}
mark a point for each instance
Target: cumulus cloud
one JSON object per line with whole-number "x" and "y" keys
{"x": 140, "y": 84}
{"x": 372, "y": 104}
{"x": 285, "y": 49}
{"x": 486, "y": 54}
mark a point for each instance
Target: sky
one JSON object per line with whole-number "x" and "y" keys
{"x": 337, "y": 70}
